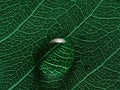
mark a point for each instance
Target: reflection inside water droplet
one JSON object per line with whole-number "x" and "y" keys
{"x": 56, "y": 61}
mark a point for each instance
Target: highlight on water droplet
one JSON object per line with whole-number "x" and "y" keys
{"x": 58, "y": 40}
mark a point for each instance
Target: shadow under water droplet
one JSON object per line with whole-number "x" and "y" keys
{"x": 40, "y": 52}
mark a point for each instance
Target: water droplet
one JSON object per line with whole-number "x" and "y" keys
{"x": 58, "y": 60}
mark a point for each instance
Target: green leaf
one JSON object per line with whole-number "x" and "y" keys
{"x": 93, "y": 26}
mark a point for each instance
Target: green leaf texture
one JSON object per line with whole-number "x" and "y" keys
{"x": 93, "y": 26}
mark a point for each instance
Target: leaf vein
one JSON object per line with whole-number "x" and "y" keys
{"x": 85, "y": 19}
{"x": 96, "y": 69}
{"x": 22, "y": 22}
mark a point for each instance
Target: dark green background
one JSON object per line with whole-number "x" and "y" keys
{"x": 26, "y": 26}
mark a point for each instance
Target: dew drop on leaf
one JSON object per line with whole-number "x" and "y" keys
{"x": 58, "y": 60}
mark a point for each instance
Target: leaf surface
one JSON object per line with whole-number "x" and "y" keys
{"x": 26, "y": 26}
